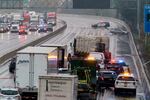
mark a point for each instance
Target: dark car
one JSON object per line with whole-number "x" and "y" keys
{"x": 49, "y": 27}
{"x": 33, "y": 27}
{"x": 12, "y": 65}
{"x": 118, "y": 31}
{"x": 3, "y": 28}
{"x": 116, "y": 66}
{"x": 106, "y": 78}
{"x": 101, "y": 24}
{"x": 42, "y": 28}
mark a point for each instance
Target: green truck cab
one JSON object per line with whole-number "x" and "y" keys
{"x": 86, "y": 71}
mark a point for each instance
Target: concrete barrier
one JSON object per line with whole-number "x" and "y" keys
{"x": 12, "y": 53}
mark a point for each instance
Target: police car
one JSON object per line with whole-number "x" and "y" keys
{"x": 125, "y": 82}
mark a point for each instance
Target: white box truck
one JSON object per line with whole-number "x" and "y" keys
{"x": 58, "y": 87}
{"x": 32, "y": 62}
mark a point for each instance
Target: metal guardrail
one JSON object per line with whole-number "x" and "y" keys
{"x": 37, "y": 41}
{"x": 144, "y": 80}
{"x": 139, "y": 65}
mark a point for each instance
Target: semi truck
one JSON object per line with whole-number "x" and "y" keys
{"x": 57, "y": 87}
{"x": 85, "y": 69}
{"x": 17, "y": 17}
{"x": 34, "y": 19}
{"x": 84, "y": 45}
{"x": 87, "y": 53}
{"x": 51, "y": 18}
{"x": 31, "y": 63}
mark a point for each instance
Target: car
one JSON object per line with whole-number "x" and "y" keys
{"x": 118, "y": 31}
{"x": 42, "y": 28}
{"x": 49, "y": 27}
{"x": 101, "y": 24}
{"x": 125, "y": 69}
{"x": 33, "y": 28}
{"x": 106, "y": 78}
{"x": 23, "y": 29}
{"x": 125, "y": 83}
{"x": 9, "y": 93}
{"x": 4, "y": 28}
{"x": 14, "y": 28}
{"x": 116, "y": 66}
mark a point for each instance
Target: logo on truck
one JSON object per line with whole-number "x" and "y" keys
{"x": 23, "y": 61}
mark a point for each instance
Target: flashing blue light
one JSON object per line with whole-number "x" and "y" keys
{"x": 120, "y": 61}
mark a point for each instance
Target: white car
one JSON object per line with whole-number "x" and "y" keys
{"x": 125, "y": 83}
{"x": 9, "y": 94}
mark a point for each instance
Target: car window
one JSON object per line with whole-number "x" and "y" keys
{"x": 125, "y": 78}
{"x": 9, "y": 92}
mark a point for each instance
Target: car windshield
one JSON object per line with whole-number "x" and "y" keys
{"x": 126, "y": 78}
{"x": 9, "y": 92}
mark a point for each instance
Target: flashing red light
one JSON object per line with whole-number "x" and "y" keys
{"x": 113, "y": 61}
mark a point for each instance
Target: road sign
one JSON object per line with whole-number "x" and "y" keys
{"x": 147, "y": 18}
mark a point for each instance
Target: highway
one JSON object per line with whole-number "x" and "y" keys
{"x": 79, "y": 25}
{"x": 119, "y": 45}
{"x": 11, "y": 41}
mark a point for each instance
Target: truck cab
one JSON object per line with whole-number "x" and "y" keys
{"x": 14, "y": 28}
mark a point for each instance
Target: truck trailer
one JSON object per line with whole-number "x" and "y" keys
{"x": 32, "y": 62}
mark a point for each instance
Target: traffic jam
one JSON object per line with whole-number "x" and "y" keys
{"x": 27, "y": 21}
